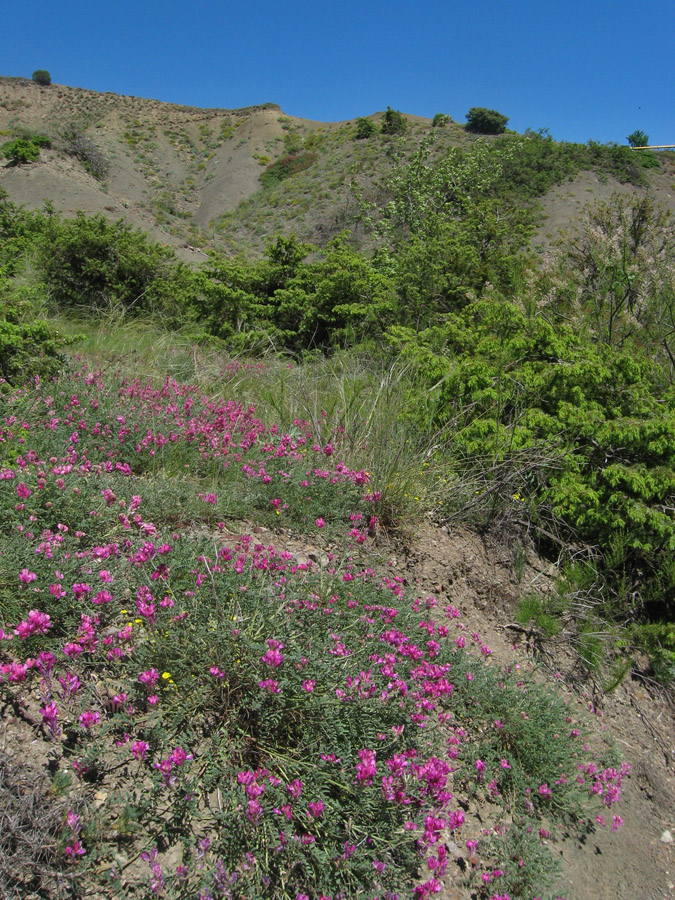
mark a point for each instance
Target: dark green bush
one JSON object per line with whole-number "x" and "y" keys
{"x": 393, "y": 122}
{"x": 638, "y": 138}
{"x": 485, "y": 121}
{"x": 42, "y": 76}
{"x": 440, "y": 120}
{"x": 90, "y": 264}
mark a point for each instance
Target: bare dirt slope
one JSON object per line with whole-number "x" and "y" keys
{"x": 564, "y": 203}
{"x": 634, "y": 863}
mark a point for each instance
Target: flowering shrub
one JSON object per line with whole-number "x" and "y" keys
{"x": 295, "y": 729}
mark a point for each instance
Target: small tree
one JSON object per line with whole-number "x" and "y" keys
{"x": 20, "y": 151}
{"x": 440, "y": 120}
{"x": 638, "y": 138}
{"x": 364, "y": 128}
{"x": 485, "y": 121}
{"x": 42, "y": 76}
{"x": 394, "y": 122}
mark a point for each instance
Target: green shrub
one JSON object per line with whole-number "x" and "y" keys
{"x": 365, "y": 128}
{"x": 393, "y": 122}
{"x": 20, "y": 151}
{"x": 91, "y": 264}
{"x": 440, "y": 120}
{"x": 485, "y": 121}
{"x": 42, "y": 76}
{"x": 638, "y": 138}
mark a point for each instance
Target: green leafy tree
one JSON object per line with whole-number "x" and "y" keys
{"x": 485, "y": 121}
{"x": 42, "y": 76}
{"x": 394, "y": 122}
{"x": 638, "y": 138}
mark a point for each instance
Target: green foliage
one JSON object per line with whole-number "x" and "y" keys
{"x": 91, "y": 264}
{"x": 446, "y": 232}
{"x": 291, "y": 303}
{"x": 440, "y": 120}
{"x": 19, "y": 230}
{"x": 620, "y": 161}
{"x": 621, "y": 268}
{"x": 533, "y": 609}
{"x": 485, "y": 121}
{"x": 365, "y": 128}
{"x": 638, "y": 138}
{"x": 286, "y": 167}
{"x": 29, "y": 349}
{"x": 42, "y": 77}
{"x": 20, "y": 151}
{"x": 576, "y": 426}
{"x": 393, "y": 122}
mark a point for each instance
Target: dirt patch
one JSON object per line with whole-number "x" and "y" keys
{"x": 636, "y": 862}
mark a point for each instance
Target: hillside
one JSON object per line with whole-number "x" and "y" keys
{"x": 190, "y": 177}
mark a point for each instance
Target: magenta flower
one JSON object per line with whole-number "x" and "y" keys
{"x": 308, "y": 685}
{"x": 179, "y": 756}
{"x": 89, "y": 718}
{"x": 295, "y": 788}
{"x": 23, "y": 491}
{"x": 149, "y": 678}
{"x": 367, "y": 768}
{"x": 36, "y": 623}
{"x": 320, "y": 523}
{"x": 269, "y": 684}
{"x": 315, "y": 809}
{"x": 253, "y": 810}
{"x": 26, "y": 577}
{"x": 140, "y": 749}
{"x": 74, "y": 850}
{"x": 273, "y": 657}
{"x": 50, "y": 714}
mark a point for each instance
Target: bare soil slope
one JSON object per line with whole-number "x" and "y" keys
{"x": 636, "y": 862}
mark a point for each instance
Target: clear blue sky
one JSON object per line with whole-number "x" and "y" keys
{"x": 582, "y": 68}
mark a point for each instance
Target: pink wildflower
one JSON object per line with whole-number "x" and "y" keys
{"x": 367, "y": 768}
{"x": 89, "y": 718}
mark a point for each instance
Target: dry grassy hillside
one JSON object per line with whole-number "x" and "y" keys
{"x": 191, "y": 177}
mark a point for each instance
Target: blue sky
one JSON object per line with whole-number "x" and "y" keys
{"x": 582, "y": 68}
